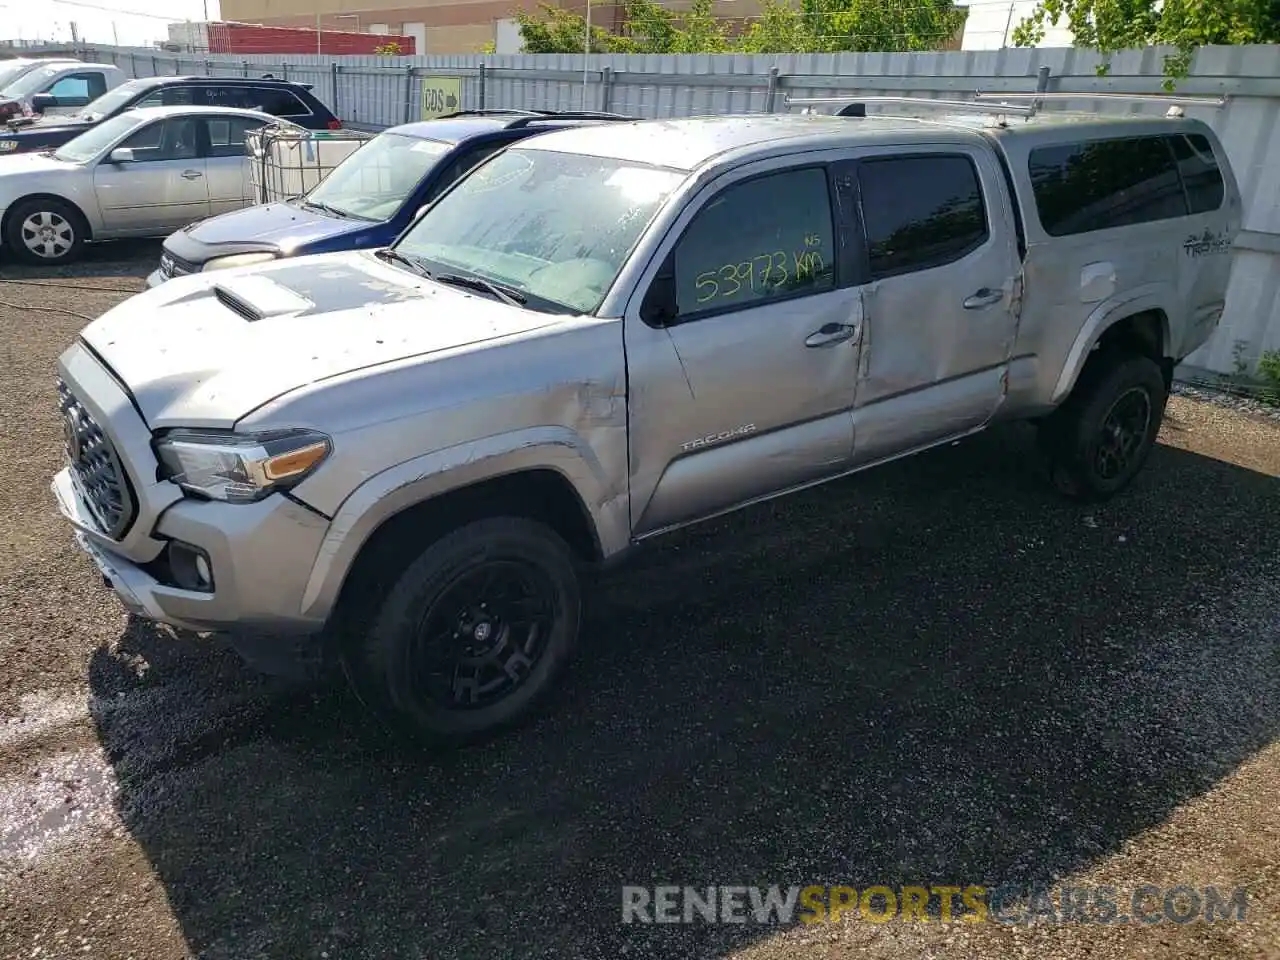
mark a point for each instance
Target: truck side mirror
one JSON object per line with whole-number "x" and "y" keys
{"x": 658, "y": 309}
{"x": 42, "y": 102}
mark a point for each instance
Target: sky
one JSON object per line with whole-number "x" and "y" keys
{"x": 139, "y": 22}
{"x": 134, "y": 22}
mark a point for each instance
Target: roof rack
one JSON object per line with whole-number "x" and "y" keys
{"x": 856, "y": 106}
{"x": 491, "y": 112}
{"x": 568, "y": 115}
{"x": 1132, "y": 97}
{"x": 996, "y": 103}
{"x": 1175, "y": 110}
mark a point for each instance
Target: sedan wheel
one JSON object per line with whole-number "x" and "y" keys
{"x": 45, "y": 232}
{"x": 48, "y": 235}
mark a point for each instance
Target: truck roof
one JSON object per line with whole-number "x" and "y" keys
{"x": 688, "y": 143}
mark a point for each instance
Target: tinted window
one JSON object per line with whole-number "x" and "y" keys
{"x": 173, "y": 139}
{"x": 765, "y": 238}
{"x": 920, "y": 212}
{"x": 462, "y": 166}
{"x": 168, "y": 97}
{"x": 226, "y": 135}
{"x": 1081, "y": 187}
{"x": 1200, "y": 174}
{"x": 272, "y": 100}
{"x": 278, "y": 103}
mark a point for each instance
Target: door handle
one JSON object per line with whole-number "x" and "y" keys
{"x": 191, "y": 174}
{"x": 983, "y": 298}
{"x": 831, "y": 334}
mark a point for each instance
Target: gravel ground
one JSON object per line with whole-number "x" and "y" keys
{"x": 934, "y": 673}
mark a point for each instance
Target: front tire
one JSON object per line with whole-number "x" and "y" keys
{"x": 45, "y": 231}
{"x": 1100, "y": 438}
{"x": 473, "y": 634}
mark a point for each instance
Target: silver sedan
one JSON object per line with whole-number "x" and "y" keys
{"x": 144, "y": 173}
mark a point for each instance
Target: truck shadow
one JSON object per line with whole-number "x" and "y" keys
{"x": 936, "y": 672}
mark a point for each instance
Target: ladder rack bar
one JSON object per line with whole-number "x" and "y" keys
{"x": 1132, "y": 97}
{"x": 984, "y": 107}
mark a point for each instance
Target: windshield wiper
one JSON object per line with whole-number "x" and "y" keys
{"x": 393, "y": 255}
{"x": 506, "y": 294}
{"x": 325, "y": 208}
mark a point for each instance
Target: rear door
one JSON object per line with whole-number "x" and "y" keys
{"x": 226, "y": 163}
{"x": 162, "y": 189}
{"x": 942, "y": 258}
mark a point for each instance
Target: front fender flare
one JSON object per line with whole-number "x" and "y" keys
{"x": 1106, "y": 315}
{"x": 414, "y": 481}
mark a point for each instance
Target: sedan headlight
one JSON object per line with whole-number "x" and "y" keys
{"x": 239, "y": 467}
{"x": 237, "y": 260}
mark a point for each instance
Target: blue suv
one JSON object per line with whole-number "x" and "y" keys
{"x": 365, "y": 201}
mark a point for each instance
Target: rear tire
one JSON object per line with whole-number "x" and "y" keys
{"x": 471, "y": 637}
{"x": 1099, "y": 439}
{"x": 45, "y": 231}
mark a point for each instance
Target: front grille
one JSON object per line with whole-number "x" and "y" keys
{"x": 95, "y": 467}
{"x": 172, "y": 266}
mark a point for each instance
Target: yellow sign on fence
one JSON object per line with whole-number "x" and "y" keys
{"x": 440, "y": 95}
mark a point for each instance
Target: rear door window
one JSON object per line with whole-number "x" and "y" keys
{"x": 226, "y": 134}
{"x": 920, "y": 212}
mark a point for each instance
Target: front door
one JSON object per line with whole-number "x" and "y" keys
{"x": 747, "y": 390}
{"x": 943, "y": 265}
{"x": 162, "y": 188}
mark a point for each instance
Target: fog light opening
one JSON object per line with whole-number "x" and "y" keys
{"x": 190, "y": 567}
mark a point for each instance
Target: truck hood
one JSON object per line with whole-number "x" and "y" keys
{"x": 281, "y": 225}
{"x": 207, "y": 349}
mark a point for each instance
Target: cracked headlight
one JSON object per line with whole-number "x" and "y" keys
{"x": 237, "y": 260}
{"x": 239, "y": 467}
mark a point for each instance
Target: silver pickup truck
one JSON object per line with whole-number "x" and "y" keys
{"x": 604, "y": 334}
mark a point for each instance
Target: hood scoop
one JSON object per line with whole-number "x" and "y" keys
{"x": 258, "y": 298}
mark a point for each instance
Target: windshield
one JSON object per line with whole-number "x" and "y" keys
{"x": 553, "y": 226}
{"x": 374, "y": 182}
{"x": 32, "y": 82}
{"x": 113, "y": 100}
{"x": 92, "y": 142}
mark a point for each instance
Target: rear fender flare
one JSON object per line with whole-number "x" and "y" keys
{"x": 1106, "y": 315}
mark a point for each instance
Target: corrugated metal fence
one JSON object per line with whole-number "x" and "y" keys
{"x": 382, "y": 91}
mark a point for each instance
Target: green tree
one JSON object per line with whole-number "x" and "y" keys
{"x": 1111, "y": 25}
{"x": 824, "y": 26}
{"x": 780, "y": 28}
{"x": 556, "y": 30}
{"x": 880, "y": 25}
